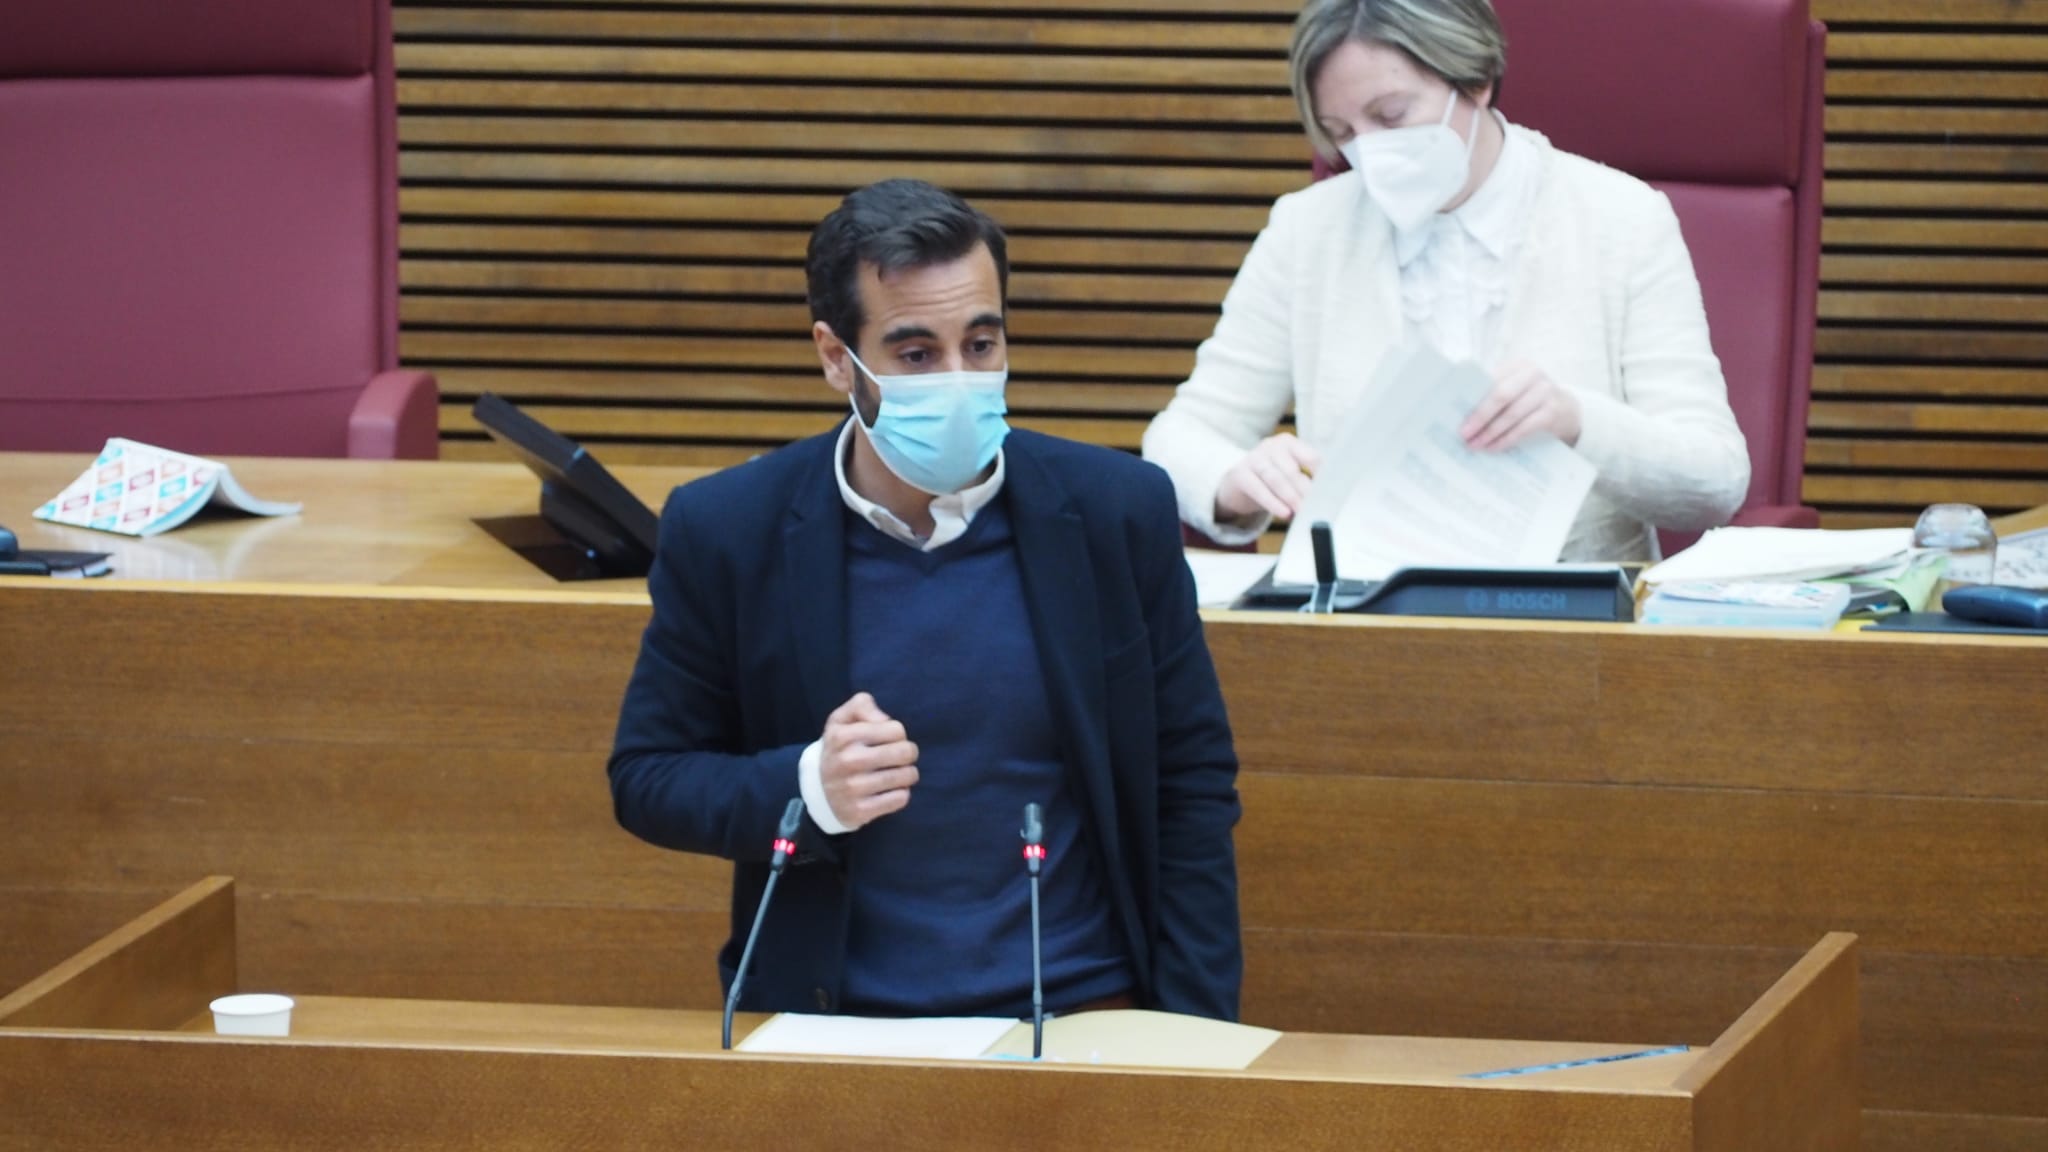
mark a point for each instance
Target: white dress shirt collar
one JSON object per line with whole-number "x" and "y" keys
{"x": 951, "y": 514}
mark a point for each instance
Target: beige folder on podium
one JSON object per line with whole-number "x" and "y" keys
{"x": 115, "y": 1049}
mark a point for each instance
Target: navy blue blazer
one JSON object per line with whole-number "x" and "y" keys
{"x": 746, "y": 655}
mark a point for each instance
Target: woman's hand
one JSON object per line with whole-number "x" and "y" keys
{"x": 1524, "y": 401}
{"x": 1273, "y": 478}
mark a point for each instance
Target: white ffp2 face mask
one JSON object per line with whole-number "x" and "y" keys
{"x": 1411, "y": 173}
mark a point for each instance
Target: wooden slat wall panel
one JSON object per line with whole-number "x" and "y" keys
{"x": 1932, "y": 381}
{"x": 606, "y": 203}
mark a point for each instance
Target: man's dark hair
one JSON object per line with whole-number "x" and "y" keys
{"x": 894, "y": 225}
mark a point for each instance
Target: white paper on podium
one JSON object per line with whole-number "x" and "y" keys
{"x": 924, "y": 1038}
{"x": 1400, "y": 489}
{"x": 1221, "y": 577}
{"x": 1136, "y": 1038}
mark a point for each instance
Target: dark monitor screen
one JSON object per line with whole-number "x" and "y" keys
{"x": 582, "y": 501}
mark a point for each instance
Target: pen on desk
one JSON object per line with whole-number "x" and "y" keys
{"x": 1527, "y": 1069}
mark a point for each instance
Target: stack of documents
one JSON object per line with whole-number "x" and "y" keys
{"x": 1785, "y": 554}
{"x": 2023, "y": 560}
{"x": 1785, "y": 576}
{"x": 1747, "y": 604}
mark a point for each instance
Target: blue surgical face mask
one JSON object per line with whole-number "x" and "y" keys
{"x": 939, "y": 430}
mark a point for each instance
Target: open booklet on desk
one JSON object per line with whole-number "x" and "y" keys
{"x": 1400, "y": 488}
{"x": 1125, "y": 1037}
{"x": 136, "y": 489}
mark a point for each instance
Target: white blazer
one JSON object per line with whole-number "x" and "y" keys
{"x": 1603, "y": 298}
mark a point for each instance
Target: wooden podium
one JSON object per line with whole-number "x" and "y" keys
{"x": 114, "y": 1049}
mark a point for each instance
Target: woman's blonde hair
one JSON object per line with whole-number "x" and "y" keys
{"x": 1459, "y": 40}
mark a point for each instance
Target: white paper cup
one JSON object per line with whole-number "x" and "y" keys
{"x": 255, "y": 1014}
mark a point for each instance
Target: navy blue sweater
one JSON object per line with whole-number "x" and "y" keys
{"x": 940, "y": 902}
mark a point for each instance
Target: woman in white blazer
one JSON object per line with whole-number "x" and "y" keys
{"x": 1567, "y": 280}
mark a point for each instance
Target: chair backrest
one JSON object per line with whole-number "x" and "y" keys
{"x": 1719, "y": 104}
{"x": 198, "y": 219}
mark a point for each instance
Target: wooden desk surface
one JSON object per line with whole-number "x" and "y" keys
{"x": 366, "y": 522}
{"x": 404, "y": 523}
{"x": 520, "y": 1027}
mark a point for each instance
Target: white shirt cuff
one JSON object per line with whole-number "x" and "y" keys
{"x": 811, "y": 783}
{"x": 1232, "y": 534}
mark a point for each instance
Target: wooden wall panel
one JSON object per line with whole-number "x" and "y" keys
{"x": 1630, "y": 836}
{"x": 1932, "y": 375}
{"x": 605, "y": 207}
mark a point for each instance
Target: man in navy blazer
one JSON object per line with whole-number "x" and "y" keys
{"x": 919, "y": 623}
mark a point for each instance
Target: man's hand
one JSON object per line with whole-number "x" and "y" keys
{"x": 866, "y": 762}
{"x": 1272, "y": 478}
{"x": 1524, "y": 401}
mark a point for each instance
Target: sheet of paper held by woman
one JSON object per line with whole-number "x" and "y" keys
{"x": 1400, "y": 487}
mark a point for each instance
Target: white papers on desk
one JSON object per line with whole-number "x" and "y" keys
{"x": 2022, "y": 560}
{"x": 1784, "y": 554}
{"x": 1221, "y": 577}
{"x": 926, "y": 1038}
{"x": 1129, "y": 1038}
{"x": 1135, "y": 1038}
{"x": 1400, "y": 488}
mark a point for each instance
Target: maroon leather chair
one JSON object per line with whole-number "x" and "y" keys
{"x": 198, "y": 229}
{"x": 1719, "y": 104}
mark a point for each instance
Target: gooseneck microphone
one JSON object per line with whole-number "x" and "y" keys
{"x": 1034, "y": 855}
{"x": 1324, "y": 600}
{"x": 785, "y": 843}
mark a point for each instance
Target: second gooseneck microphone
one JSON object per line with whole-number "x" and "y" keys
{"x": 1034, "y": 856}
{"x": 785, "y": 844}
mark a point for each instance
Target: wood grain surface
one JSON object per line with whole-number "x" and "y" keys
{"x": 179, "y": 1092}
{"x": 1796, "y": 1043}
{"x": 1633, "y": 843}
{"x": 1578, "y": 832}
{"x": 598, "y": 198}
{"x": 149, "y": 974}
{"x": 1784, "y": 1075}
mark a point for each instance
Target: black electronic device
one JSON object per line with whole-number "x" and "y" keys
{"x": 1943, "y": 622}
{"x": 1564, "y": 593}
{"x": 785, "y": 846}
{"x": 593, "y": 527}
{"x": 1995, "y": 604}
{"x": 17, "y": 561}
